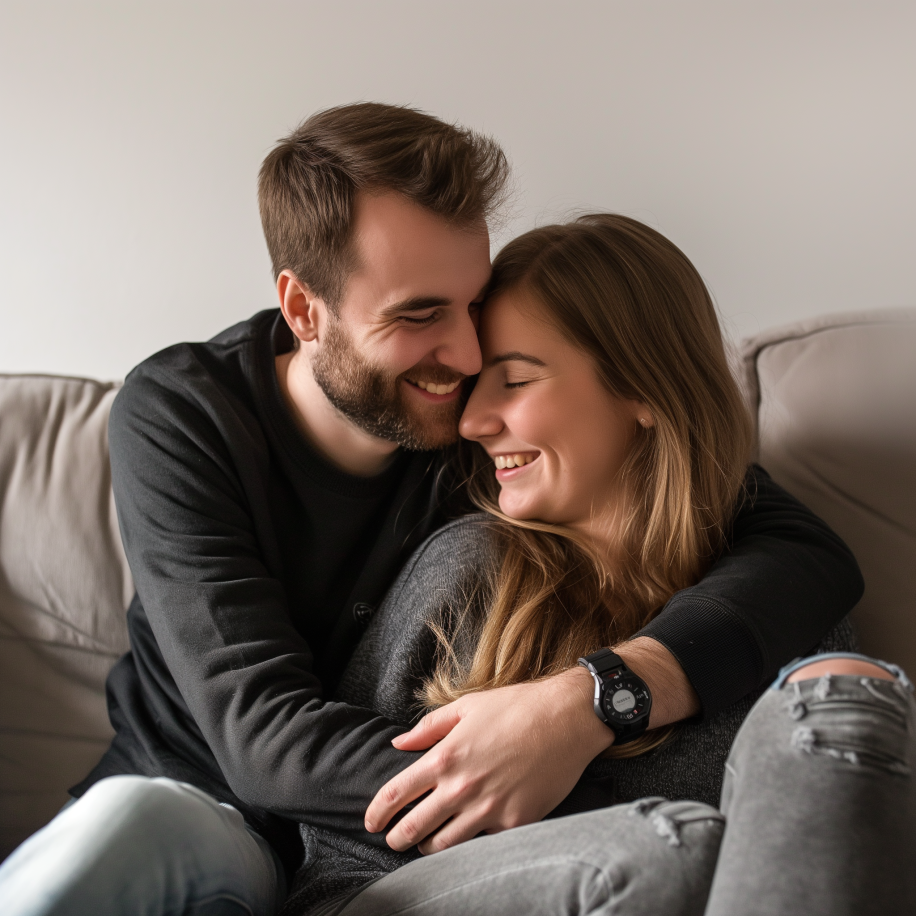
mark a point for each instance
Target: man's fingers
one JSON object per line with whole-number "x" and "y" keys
{"x": 429, "y": 815}
{"x": 408, "y": 785}
{"x": 433, "y": 727}
{"x": 459, "y": 829}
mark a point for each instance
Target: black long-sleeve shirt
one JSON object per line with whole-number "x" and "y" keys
{"x": 253, "y": 558}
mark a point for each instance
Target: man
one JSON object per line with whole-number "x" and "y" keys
{"x": 270, "y": 484}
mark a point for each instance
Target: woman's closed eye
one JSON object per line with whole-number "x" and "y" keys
{"x": 515, "y": 379}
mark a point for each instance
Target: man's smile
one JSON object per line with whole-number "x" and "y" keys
{"x": 438, "y": 392}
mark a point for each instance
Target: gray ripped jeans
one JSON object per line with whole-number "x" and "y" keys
{"x": 818, "y": 816}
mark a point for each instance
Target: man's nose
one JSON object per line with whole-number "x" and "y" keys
{"x": 459, "y": 348}
{"x": 480, "y": 419}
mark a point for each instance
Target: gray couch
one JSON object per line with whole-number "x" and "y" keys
{"x": 835, "y": 402}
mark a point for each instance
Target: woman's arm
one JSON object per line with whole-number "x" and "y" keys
{"x": 398, "y": 652}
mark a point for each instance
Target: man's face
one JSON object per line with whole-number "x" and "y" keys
{"x": 395, "y": 358}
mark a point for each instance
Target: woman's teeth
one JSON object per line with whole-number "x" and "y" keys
{"x": 512, "y": 461}
{"x": 438, "y": 389}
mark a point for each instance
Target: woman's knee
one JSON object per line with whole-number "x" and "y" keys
{"x": 632, "y": 844}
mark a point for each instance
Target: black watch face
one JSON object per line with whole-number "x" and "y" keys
{"x": 625, "y": 700}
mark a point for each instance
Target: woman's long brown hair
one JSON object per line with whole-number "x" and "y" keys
{"x": 632, "y": 301}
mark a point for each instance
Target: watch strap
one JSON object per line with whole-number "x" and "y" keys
{"x": 601, "y": 665}
{"x": 602, "y": 662}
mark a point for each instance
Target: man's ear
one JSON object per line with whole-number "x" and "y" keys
{"x": 303, "y": 310}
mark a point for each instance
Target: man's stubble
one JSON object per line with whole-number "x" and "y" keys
{"x": 374, "y": 399}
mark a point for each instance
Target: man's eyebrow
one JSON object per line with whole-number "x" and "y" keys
{"x": 414, "y": 304}
{"x": 516, "y": 356}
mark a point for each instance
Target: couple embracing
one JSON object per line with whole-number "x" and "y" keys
{"x": 455, "y": 582}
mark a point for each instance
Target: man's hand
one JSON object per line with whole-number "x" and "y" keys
{"x": 502, "y": 758}
{"x": 507, "y": 757}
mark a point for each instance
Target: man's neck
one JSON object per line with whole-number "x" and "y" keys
{"x": 327, "y": 430}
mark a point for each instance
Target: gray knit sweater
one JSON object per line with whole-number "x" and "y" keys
{"x": 397, "y": 654}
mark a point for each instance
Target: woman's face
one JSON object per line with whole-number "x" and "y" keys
{"x": 539, "y": 405}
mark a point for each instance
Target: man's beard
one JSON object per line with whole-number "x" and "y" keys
{"x": 374, "y": 400}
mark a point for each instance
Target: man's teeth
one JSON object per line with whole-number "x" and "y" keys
{"x": 512, "y": 461}
{"x": 437, "y": 389}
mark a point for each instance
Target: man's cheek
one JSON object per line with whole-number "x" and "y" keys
{"x": 400, "y": 356}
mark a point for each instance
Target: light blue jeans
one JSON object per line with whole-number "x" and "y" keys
{"x": 143, "y": 847}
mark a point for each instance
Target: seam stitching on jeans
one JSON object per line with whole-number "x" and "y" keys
{"x": 564, "y": 860}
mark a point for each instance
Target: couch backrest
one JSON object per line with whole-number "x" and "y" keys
{"x": 64, "y": 585}
{"x": 836, "y": 408}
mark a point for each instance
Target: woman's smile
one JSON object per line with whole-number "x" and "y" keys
{"x": 508, "y": 467}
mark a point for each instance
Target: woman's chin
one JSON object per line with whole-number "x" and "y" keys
{"x": 522, "y": 510}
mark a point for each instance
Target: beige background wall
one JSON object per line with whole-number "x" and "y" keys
{"x": 776, "y": 143}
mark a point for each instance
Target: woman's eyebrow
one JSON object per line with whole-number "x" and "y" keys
{"x": 516, "y": 356}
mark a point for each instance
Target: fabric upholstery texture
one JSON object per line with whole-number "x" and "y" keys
{"x": 836, "y": 408}
{"x": 64, "y": 586}
{"x": 835, "y": 400}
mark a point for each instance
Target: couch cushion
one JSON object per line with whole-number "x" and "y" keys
{"x": 837, "y": 427}
{"x": 64, "y": 585}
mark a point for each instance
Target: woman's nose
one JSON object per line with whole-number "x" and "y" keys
{"x": 480, "y": 418}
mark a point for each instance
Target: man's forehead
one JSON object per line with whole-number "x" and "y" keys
{"x": 388, "y": 210}
{"x": 393, "y": 234}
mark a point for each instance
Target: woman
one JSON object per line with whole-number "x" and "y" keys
{"x": 611, "y": 449}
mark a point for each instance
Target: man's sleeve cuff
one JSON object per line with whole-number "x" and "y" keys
{"x": 716, "y": 649}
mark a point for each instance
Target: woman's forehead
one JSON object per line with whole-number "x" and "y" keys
{"x": 515, "y": 320}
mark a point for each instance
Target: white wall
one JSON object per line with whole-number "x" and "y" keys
{"x": 776, "y": 143}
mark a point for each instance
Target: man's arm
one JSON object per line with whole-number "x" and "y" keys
{"x": 673, "y": 696}
{"x": 193, "y": 525}
{"x": 786, "y": 580}
{"x": 508, "y": 757}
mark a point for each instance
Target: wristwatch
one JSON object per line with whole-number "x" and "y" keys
{"x": 622, "y": 699}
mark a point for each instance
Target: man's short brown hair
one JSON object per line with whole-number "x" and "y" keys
{"x": 309, "y": 181}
